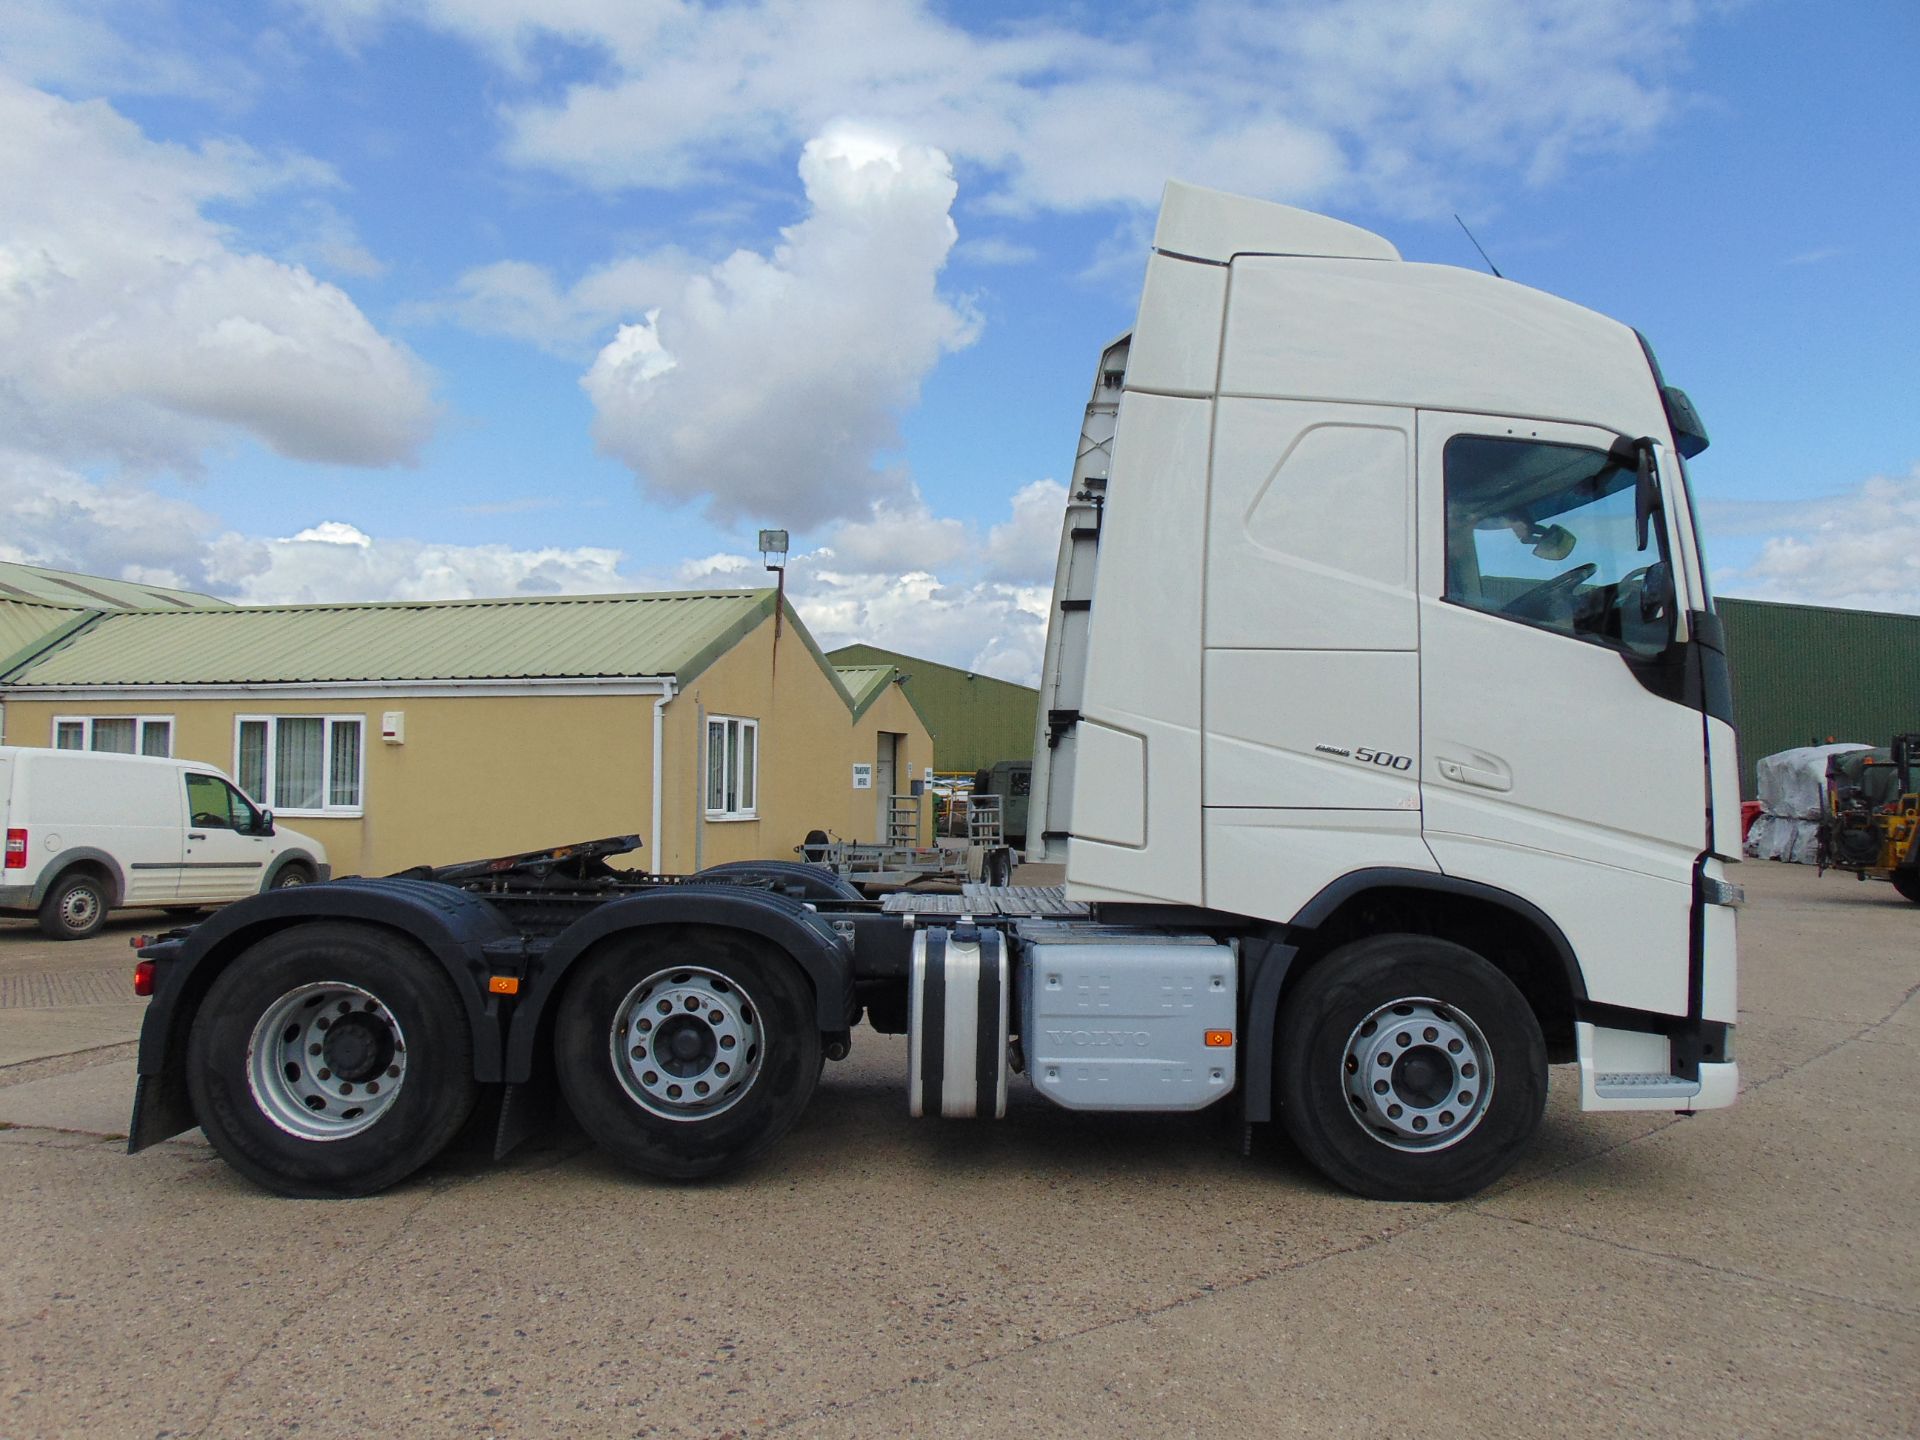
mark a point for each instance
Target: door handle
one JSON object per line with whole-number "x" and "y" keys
{"x": 1484, "y": 772}
{"x": 195, "y": 835}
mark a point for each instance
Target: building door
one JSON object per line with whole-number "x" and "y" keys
{"x": 886, "y": 784}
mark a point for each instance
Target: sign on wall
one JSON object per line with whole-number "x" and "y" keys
{"x": 863, "y": 777}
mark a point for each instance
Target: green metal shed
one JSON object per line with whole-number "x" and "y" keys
{"x": 974, "y": 719}
{"x": 1806, "y": 674}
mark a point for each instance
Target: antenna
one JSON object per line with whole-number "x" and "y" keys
{"x": 1476, "y": 245}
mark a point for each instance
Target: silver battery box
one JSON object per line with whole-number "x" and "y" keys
{"x": 1113, "y": 1020}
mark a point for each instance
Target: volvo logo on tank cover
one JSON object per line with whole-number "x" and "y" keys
{"x": 1138, "y": 1038}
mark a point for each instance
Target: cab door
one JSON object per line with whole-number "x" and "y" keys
{"x": 225, "y": 857}
{"x": 1560, "y": 761}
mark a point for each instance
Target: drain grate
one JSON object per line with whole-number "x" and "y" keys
{"x": 105, "y": 986}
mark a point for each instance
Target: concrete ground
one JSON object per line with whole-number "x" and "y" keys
{"x": 1749, "y": 1272}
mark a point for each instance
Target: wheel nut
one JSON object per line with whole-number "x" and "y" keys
{"x": 1403, "y": 1038}
{"x": 1429, "y": 1034}
{"x": 326, "y": 1074}
{"x": 393, "y": 1072}
{"x": 1393, "y": 1112}
{"x": 1379, "y": 1087}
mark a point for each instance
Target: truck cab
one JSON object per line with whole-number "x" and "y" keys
{"x": 1380, "y": 591}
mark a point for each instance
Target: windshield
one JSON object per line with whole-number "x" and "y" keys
{"x": 1545, "y": 534}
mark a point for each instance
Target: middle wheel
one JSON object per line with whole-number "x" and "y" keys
{"x": 687, "y": 1052}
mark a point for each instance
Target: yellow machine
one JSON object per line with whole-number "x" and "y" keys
{"x": 1872, "y": 824}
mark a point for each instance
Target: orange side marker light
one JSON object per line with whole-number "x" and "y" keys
{"x": 1219, "y": 1039}
{"x": 504, "y": 984}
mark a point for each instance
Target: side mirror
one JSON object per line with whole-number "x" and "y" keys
{"x": 1653, "y": 591}
{"x": 264, "y": 826}
{"x": 1646, "y": 494}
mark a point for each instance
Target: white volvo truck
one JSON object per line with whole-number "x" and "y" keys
{"x": 1384, "y": 736}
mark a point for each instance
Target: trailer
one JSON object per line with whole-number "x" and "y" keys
{"x": 1385, "y": 737}
{"x": 901, "y": 860}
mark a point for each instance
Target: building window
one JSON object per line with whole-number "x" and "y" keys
{"x": 115, "y": 734}
{"x": 733, "y": 761}
{"x": 301, "y": 764}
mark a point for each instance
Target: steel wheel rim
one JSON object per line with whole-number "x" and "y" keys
{"x": 79, "y": 908}
{"x": 686, "y": 1043}
{"x": 1417, "y": 1074}
{"x": 326, "y": 1061}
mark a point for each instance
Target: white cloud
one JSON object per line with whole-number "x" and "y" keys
{"x": 1859, "y": 550}
{"x": 59, "y": 517}
{"x": 1306, "y": 101}
{"x": 133, "y": 330}
{"x": 908, "y": 580}
{"x": 523, "y": 301}
{"x": 767, "y": 385}
{"x": 995, "y": 250}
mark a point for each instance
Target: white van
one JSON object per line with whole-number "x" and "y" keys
{"x": 87, "y": 833}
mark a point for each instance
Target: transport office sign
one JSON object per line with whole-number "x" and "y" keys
{"x": 863, "y": 777}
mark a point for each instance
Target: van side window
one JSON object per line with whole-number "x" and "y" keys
{"x": 1544, "y": 534}
{"x": 213, "y": 804}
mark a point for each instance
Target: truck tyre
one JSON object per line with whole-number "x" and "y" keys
{"x": 331, "y": 1060}
{"x": 1907, "y": 882}
{"x": 687, "y": 1052}
{"x": 1409, "y": 1069}
{"x": 75, "y": 906}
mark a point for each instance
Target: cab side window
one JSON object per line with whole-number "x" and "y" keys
{"x": 1545, "y": 534}
{"x": 214, "y": 804}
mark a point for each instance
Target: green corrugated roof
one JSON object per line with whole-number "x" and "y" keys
{"x": 60, "y": 587}
{"x": 974, "y": 719}
{"x": 27, "y": 628}
{"x": 864, "y": 684}
{"x": 545, "y": 638}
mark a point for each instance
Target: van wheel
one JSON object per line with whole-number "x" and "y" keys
{"x": 74, "y": 908}
{"x": 1410, "y": 1069}
{"x": 290, "y": 876}
{"x": 687, "y": 1052}
{"x": 331, "y": 1060}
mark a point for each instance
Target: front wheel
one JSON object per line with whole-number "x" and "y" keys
{"x": 687, "y": 1052}
{"x": 1907, "y": 882}
{"x": 331, "y": 1060}
{"x": 1410, "y": 1069}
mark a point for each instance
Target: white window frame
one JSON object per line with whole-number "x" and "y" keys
{"x": 744, "y": 774}
{"x": 140, "y": 724}
{"x": 265, "y": 800}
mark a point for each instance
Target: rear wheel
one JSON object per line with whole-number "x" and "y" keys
{"x": 687, "y": 1052}
{"x": 74, "y": 907}
{"x": 1410, "y": 1069}
{"x": 331, "y": 1060}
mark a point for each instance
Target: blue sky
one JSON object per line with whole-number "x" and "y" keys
{"x": 425, "y": 298}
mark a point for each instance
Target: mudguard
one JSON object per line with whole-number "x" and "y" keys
{"x": 1275, "y": 959}
{"x": 783, "y": 922}
{"x": 451, "y": 925}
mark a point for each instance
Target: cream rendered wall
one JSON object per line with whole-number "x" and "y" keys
{"x": 808, "y": 746}
{"x": 483, "y": 775}
{"x": 479, "y": 775}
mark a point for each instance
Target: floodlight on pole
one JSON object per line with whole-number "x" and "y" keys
{"x": 773, "y": 554}
{"x": 773, "y": 549}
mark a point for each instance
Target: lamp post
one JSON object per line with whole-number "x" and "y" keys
{"x": 773, "y": 555}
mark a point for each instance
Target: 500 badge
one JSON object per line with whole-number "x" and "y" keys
{"x": 1367, "y": 755}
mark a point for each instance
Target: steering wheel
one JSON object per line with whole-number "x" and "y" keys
{"x": 207, "y": 817}
{"x": 1535, "y": 604}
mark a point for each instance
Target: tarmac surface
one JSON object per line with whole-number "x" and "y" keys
{"x": 1746, "y": 1272}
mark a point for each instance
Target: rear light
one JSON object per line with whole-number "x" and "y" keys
{"x": 143, "y": 978}
{"x": 16, "y": 850}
